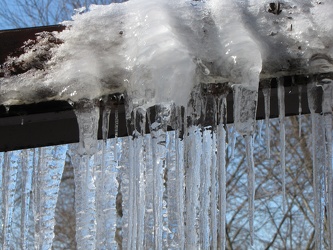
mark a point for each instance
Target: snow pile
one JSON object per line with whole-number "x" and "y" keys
{"x": 158, "y": 50}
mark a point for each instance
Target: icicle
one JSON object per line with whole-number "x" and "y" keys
{"x": 193, "y": 152}
{"x": 10, "y": 169}
{"x": 282, "y": 138}
{"x": 250, "y": 183}
{"x": 327, "y": 111}
{"x": 214, "y": 184}
{"x": 137, "y": 182}
{"x": 47, "y": 177}
{"x": 267, "y": 99}
{"x": 221, "y": 142}
{"x": 124, "y": 191}
{"x": 87, "y": 113}
{"x": 106, "y": 189}
{"x": 27, "y": 172}
{"x": 149, "y": 195}
{"x": 158, "y": 131}
{"x": 205, "y": 188}
{"x": 245, "y": 106}
{"x": 175, "y": 185}
{"x": 132, "y": 210}
{"x": 137, "y": 176}
{"x": 106, "y": 118}
{"x": 176, "y": 188}
{"x": 300, "y": 110}
{"x": 318, "y": 151}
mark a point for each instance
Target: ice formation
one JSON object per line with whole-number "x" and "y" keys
{"x": 172, "y": 184}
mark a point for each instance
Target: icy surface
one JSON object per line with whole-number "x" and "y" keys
{"x": 165, "y": 190}
{"x": 47, "y": 177}
{"x": 158, "y": 50}
{"x": 318, "y": 158}
{"x": 281, "y": 97}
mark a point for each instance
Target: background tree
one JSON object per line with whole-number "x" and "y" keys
{"x": 30, "y": 13}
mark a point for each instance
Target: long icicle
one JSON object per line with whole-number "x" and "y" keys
{"x": 282, "y": 139}
{"x": 221, "y": 140}
{"x": 180, "y": 181}
{"x": 87, "y": 113}
{"x": 214, "y": 184}
{"x": 250, "y": 183}
{"x": 205, "y": 189}
{"x": 50, "y": 166}
{"x": 10, "y": 169}
{"x": 327, "y": 111}
{"x": 27, "y": 172}
{"x": 245, "y": 106}
{"x": 318, "y": 152}
{"x": 158, "y": 131}
{"x": 140, "y": 174}
{"x": 100, "y": 183}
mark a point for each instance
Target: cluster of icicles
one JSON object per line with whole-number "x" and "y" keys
{"x": 171, "y": 185}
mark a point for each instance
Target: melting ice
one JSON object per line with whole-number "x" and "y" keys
{"x": 166, "y": 57}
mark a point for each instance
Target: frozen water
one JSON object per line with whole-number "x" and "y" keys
{"x": 281, "y": 96}
{"x": 318, "y": 157}
{"x": 154, "y": 49}
{"x": 171, "y": 186}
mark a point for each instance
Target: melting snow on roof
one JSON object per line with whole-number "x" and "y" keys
{"x": 158, "y": 50}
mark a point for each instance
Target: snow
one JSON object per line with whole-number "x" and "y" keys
{"x": 157, "y": 50}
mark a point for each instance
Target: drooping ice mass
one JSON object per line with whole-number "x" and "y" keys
{"x": 158, "y": 50}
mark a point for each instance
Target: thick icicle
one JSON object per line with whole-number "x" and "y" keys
{"x": 282, "y": 138}
{"x": 318, "y": 154}
{"x": 27, "y": 172}
{"x": 158, "y": 131}
{"x": 10, "y": 168}
{"x": 87, "y": 113}
{"x": 47, "y": 177}
{"x": 180, "y": 171}
{"x": 205, "y": 188}
{"x": 137, "y": 182}
{"x": 267, "y": 100}
{"x": 175, "y": 185}
{"x": 327, "y": 111}
{"x": 149, "y": 201}
{"x": 193, "y": 151}
{"x": 106, "y": 189}
{"x": 250, "y": 183}
{"x": 221, "y": 142}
